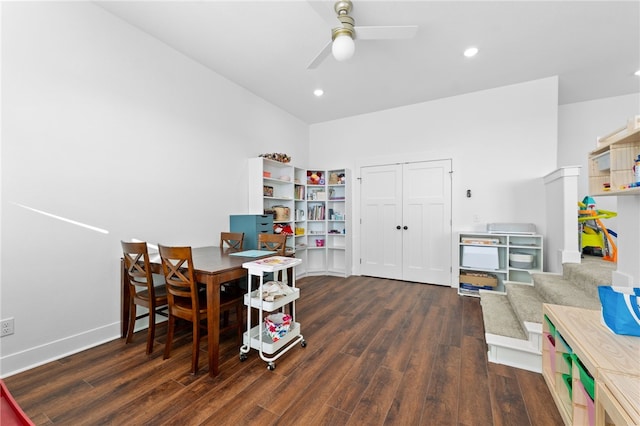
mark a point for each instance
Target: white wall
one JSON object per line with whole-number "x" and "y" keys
{"x": 502, "y": 142}
{"x": 579, "y": 126}
{"x": 104, "y": 125}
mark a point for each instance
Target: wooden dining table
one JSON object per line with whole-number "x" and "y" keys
{"x": 213, "y": 266}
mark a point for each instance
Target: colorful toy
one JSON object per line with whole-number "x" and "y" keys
{"x": 594, "y": 236}
{"x": 315, "y": 178}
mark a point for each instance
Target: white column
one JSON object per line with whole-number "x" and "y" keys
{"x": 561, "y": 189}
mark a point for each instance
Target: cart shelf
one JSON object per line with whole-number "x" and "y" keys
{"x": 256, "y": 337}
{"x": 258, "y": 303}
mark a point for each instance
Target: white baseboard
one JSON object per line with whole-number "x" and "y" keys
{"x": 33, "y": 357}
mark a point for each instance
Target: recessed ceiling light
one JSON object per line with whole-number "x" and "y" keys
{"x": 318, "y": 92}
{"x": 470, "y": 52}
{"x": 637, "y": 73}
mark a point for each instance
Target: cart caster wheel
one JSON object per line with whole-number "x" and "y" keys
{"x": 243, "y": 357}
{"x": 271, "y": 366}
{"x": 303, "y": 344}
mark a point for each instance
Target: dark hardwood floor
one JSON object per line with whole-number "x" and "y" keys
{"x": 379, "y": 352}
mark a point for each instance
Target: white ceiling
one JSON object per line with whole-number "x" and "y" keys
{"x": 265, "y": 46}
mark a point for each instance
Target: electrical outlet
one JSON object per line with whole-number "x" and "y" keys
{"x": 6, "y": 327}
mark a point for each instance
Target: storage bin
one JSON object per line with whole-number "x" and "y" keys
{"x": 564, "y": 345}
{"x": 277, "y": 325}
{"x": 480, "y": 257}
{"x": 591, "y": 410}
{"x": 566, "y": 379}
{"x": 603, "y": 161}
{"x": 565, "y": 366}
{"x": 521, "y": 260}
{"x": 585, "y": 378}
{"x": 552, "y": 328}
{"x": 549, "y": 343}
{"x": 478, "y": 279}
{"x": 564, "y": 389}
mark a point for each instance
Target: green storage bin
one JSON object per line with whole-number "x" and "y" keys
{"x": 566, "y": 378}
{"x": 585, "y": 378}
{"x": 567, "y": 369}
{"x": 564, "y": 344}
{"x": 552, "y": 328}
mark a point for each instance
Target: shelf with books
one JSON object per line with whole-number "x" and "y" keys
{"x": 318, "y": 205}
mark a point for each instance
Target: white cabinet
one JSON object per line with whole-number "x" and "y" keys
{"x": 318, "y": 203}
{"x": 508, "y": 257}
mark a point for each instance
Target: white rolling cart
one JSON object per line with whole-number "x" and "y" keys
{"x": 257, "y": 337}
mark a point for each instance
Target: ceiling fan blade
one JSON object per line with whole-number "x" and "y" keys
{"x": 386, "y": 32}
{"x": 326, "y": 50}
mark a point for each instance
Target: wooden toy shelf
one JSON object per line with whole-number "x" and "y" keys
{"x": 593, "y": 374}
{"x": 610, "y": 165}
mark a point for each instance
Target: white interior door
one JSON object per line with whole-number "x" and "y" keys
{"x": 426, "y": 212}
{"x": 406, "y": 221}
{"x": 381, "y": 214}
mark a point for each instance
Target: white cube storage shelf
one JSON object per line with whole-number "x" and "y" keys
{"x": 509, "y": 257}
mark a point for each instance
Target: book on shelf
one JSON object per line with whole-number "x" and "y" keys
{"x": 476, "y": 240}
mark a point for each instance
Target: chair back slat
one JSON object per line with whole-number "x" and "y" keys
{"x": 273, "y": 242}
{"x": 234, "y": 240}
{"x": 136, "y": 261}
{"x": 177, "y": 265}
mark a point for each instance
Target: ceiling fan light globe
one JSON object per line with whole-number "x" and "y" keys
{"x": 343, "y": 47}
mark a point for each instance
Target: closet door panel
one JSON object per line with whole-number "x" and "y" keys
{"x": 425, "y": 189}
{"x": 381, "y": 214}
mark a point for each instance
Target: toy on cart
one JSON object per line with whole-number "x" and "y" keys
{"x": 278, "y": 331}
{"x": 595, "y": 238}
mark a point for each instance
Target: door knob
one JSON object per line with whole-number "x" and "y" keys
{"x": 398, "y": 227}
{"x": 405, "y": 227}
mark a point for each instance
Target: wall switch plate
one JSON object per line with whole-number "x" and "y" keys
{"x": 6, "y": 327}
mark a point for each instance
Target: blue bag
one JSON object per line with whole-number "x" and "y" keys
{"x": 620, "y": 310}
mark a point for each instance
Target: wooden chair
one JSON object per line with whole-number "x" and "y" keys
{"x": 145, "y": 289}
{"x": 273, "y": 242}
{"x": 186, "y": 302}
{"x": 234, "y": 240}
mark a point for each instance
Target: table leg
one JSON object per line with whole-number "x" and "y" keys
{"x": 213, "y": 324}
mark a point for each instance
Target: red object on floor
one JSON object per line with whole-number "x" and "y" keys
{"x": 10, "y": 412}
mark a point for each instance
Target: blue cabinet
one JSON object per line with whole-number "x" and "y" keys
{"x": 251, "y": 225}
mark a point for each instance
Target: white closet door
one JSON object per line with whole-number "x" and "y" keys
{"x": 406, "y": 221}
{"x": 381, "y": 214}
{"x": 426, "y": 222}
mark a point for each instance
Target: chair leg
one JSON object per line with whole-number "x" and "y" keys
{"x": 195, "y": 349}
{"x": 151, "y": 334}
{"x": 167, "y": 346}
{"x": 132, "y": 320}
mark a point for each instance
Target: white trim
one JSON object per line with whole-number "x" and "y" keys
{"x": 39, "y": 355}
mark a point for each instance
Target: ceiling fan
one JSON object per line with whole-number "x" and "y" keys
{"x": 342, "y": 44}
